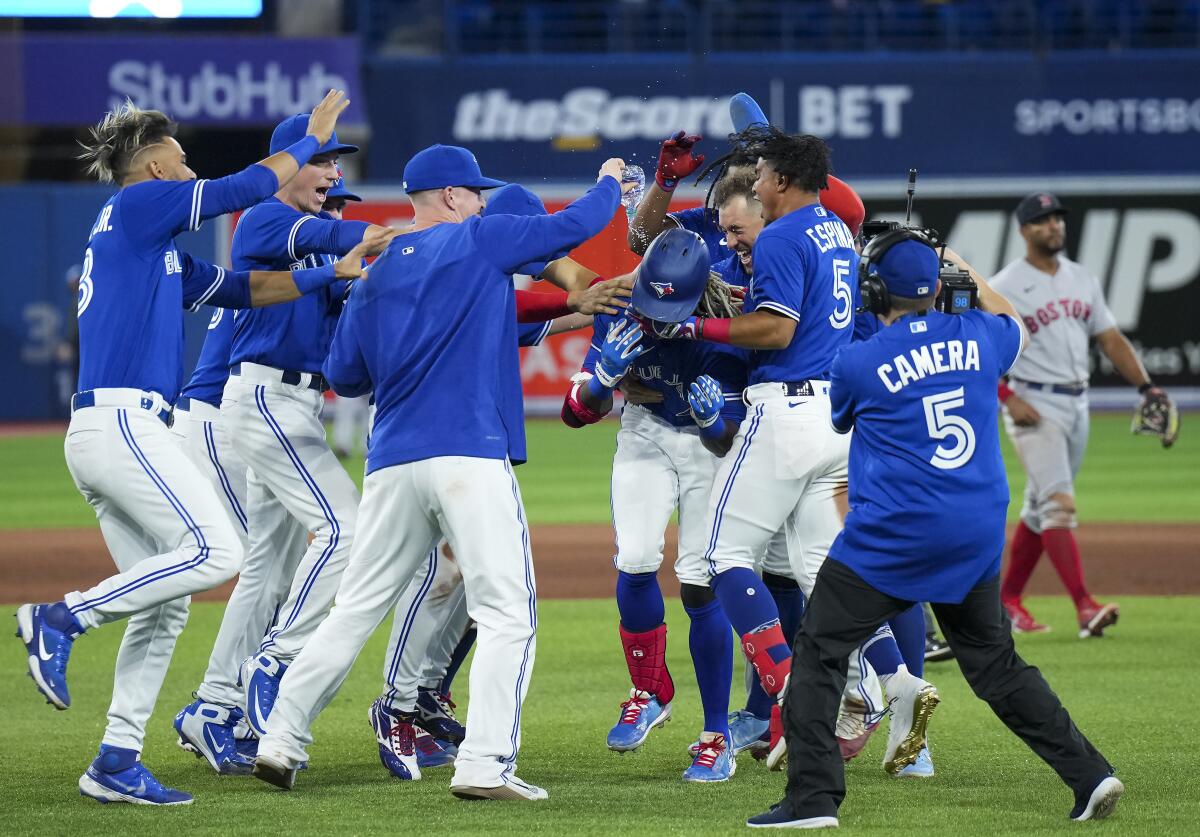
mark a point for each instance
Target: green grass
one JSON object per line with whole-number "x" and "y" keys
{"x": 1129, "y": 692}
{"x": 566, "y": 480}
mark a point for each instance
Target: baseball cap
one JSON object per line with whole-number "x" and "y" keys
{"x": 515, "y": 199}
{"x": 909, "y": 269}
{"x": 1038, "y": 205}
{"x": 339, "y": 190}
{"x": 295, "y": 128}
{"x": 439, "y": 166}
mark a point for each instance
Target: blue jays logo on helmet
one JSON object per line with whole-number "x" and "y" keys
{"x": 672, "y": 277}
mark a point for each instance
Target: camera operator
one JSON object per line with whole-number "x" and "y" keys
{"x": 928, "y": 497}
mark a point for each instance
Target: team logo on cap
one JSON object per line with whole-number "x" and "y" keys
{"x": 1046, "y": 201}
{"x": 662, "y": 288}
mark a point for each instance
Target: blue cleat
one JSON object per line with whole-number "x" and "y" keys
{"x": 48, "y": 650}
{"x": 396, "y": 735}
{"x": 118, "y": 775}
{"x": 714, "y": 762}
{"x": 260, "y": 676}
{"x": 747, "y": 731}
{"x": 781, "y": 815}
{"x": 922, "y": 768}
{"x": 207, "y": 730}
{"x": 744, "y": 112}
{"x": 640, "y": 714}
{"x": 435, "y": 715}
{"x": 433, "y": 753}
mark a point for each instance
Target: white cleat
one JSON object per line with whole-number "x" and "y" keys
{"x": 912, "y": 704}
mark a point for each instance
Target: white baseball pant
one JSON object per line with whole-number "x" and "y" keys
{"x": 476, "y": 505}
{"x": 1051, "y": 453}
{"x": 167, "y": 533}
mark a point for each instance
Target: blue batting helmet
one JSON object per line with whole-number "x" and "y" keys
{"x": 672, "y": 277}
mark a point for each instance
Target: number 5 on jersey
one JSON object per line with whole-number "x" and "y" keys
{"x": 844, "y": 312}
{"x": 943, "y": 425}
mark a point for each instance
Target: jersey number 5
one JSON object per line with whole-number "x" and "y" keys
{"x": 942, "y": 425}
{"x": 842, "y": 314}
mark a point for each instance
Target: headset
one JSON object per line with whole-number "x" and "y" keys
{"x": 871, "y": 287}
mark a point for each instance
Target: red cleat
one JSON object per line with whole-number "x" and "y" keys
{"x": 1022, "y": 620}
{"x": 1095, "y": 617}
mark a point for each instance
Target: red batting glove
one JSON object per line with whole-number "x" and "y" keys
{"x": 675, "y": 160}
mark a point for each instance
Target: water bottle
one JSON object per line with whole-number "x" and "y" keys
{"x": 631, "y": 199}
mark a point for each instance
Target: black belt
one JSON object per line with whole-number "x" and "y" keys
{"x": 1061, "y": 389}
{"x": 316, "y": 379}
{"x": 87, "y": 398}
{"x": 797, "y": 389}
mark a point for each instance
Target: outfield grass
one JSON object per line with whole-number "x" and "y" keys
{"x": 1130, "y": 692}
{"x": 566, "y": 480}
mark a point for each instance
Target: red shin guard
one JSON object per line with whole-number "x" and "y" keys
{"x": 772, "y": 675}
{"x": 646, "y": 656}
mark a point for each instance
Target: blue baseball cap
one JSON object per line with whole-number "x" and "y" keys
{"x": 339, "y": 190}
{"x": 439, "y": 166}
{"x": 293, "y": 129}
{"x": 909, "y": 269}
{"x": 515, "y": 199}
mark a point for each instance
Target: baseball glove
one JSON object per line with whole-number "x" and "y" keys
{"x": 1157, "y": 416}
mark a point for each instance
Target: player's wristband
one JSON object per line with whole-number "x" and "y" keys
{"x": 313, "y": 278}
{"x": 714, "y": 329}
{"x": 1003, "y": 391}
{"x": 1143, "y": 387}
{"x": 667, "y": 184}
{"x": 597, "y": 388}
{"x": 714, "y": 430}
{"x": 537, "y": 307}
{"x": 303, "y": 150}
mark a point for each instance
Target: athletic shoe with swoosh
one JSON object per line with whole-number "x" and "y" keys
{"x": 135, "y": 784}
{"x": 207, "y": 730}
{"x": 260, "y": 676}
{"x": 48, "y": 651}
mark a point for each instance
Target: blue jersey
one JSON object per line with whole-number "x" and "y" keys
{"x": 703, "y": 222}
{"x": 295, "y": 335}
{"x": 928, "y": 494}
{"x": 450, "y": 384}
{"x": 731, "y": 271}
{"x": 670, "y": 367}
{"x": 806, "y": 269}
{"x": 136, "y": 283}
{"x": 532, "y": 334}
{"x": 212, "y": 369}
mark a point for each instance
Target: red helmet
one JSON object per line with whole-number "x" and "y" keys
{"x": 844, "y": 202}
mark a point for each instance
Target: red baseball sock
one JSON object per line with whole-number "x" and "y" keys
{"x": 1064, "y": 554}
{"x": 1023, "y": 557}
{"x": 646, "y": 656}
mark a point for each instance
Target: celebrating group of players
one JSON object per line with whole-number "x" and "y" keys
{"x": 745, "y": 352}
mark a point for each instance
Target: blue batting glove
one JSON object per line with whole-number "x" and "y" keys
{"x": 706, "y": 401}
{"x": 621, "y": 348}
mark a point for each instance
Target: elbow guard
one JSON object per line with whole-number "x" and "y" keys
{"x": 574, "y": 412}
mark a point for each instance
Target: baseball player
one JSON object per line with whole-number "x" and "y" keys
{"x": 1046, "y": 406}
{"x": 666, "y": 458}
{"x": 448, "y": 424}
{"x": 919, "y": 396}
{"x": 162, "y": 521}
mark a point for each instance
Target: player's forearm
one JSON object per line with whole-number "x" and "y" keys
{"x": 253, "y": 184}
{"x": 327, "y": 236}
{"x": 568, "y": 274}
{"x": 990, "y": 300}
{"x": 271, "y": 287}
{"x": 719, "y": 438}
{"x": 650, "y": 220}
{"x": 537, "y": 307}
{"x": 1120, "y": 351}
{"x": 584, "y": 406}
{"x": 757, "y": 330}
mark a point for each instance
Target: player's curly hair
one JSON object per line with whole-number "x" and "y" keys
{"x": 718, "y": 299}
{"x": 120, "y": 136}
{"x": 802, "y": 158}
{"x": 721, "y": 169}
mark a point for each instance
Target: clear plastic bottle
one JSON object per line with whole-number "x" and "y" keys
{"x": 630, "y": 200}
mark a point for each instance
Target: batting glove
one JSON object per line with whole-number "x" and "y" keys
{"x": 675, "y": 160}
{"x": 705, "y": 400}
{"x": 689, "y": 329}
{"x": 621, "y": 348}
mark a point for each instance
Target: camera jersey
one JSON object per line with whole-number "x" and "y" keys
{"x": 928, "y": 492}
{"x": 805, "y": 268}
{"x": 1061, "y": 312}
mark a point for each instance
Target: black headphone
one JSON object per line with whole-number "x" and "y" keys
{"x": 871, "y": 287}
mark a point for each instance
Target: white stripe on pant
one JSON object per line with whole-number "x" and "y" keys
{"x": 406, "y": 510}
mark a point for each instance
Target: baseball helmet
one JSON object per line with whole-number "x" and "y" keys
{"x": 672, "y": 277}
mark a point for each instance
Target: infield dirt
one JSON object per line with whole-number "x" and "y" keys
{"x": 575, "y": 562}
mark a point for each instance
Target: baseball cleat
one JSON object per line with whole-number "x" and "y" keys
{"x": 777, "y": 756}
{"x": 1095, "y": 617}
{"x": 937, "y": 650}
{"x": 1100, "y": 803}
{"x": 433, "y": 753}
{"x": 274, "y": 772}
{"x": 396, "y": 736}
{"x": 714, "y": 762}
{"x": 260, "y": 675}
{"x": 922, "y": 768}
{"x": 207, "y": 730}
{"x": 782, "y": 816}
{"x": 118, "y": 775}
{"x": 513, "y": 790}
{"x": 912, "y": 704}
{"x": 1022, "y": 620}
{"x": 435, "y": 715}
{"x": 853, "y": 732}
{"x": 747, "y": 731}
{"x": 48, "y": 651}
{"x": 640, "y": 714}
